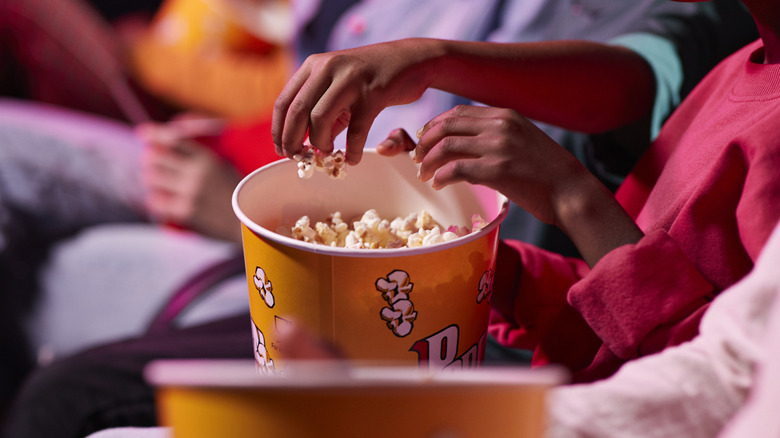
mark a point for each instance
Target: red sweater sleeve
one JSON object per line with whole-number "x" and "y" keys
{"x": 637, "y": 294}
{"x": 758, "y": 208}
{"x": 638, "y": 299}
{"x": 642, "y": 298}
{"x": 530, "y": 310}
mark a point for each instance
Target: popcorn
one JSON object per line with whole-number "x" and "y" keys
{"x": 400, "y": 316}
{"x": 303, "y": 231}
{"x": 431, "y": 236}
{"x": 425, "y": 221}
{"x": 477, "y": 223}
{"x": 332, "y": 232}
{"x": 311, "y": 159}
{"x": 370, "y": 231}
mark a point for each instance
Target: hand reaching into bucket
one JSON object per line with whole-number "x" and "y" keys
{"x": 346, "y": 90}
{"x": 503, "y": 150}
{"x": 500, "y": 149}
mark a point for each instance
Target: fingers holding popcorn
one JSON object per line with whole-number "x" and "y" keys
{"x": 359, "y": 82}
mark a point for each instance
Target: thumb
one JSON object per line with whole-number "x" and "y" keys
{"x": 397, "y": 142}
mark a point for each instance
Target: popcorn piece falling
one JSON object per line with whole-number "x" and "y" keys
{"x": 370, "y": 231}
{"x": 311, "y": 159}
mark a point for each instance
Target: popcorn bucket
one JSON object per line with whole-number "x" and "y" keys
{"x": 426, "y": 306}
{"x": 206, "y": 399}
{"x": 203, "y": 25}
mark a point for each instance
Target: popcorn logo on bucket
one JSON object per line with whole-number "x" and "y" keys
{"x": 436, "y": 352}
{"x": 395, "y": 290}
{"x": 264, "y": 287}
{"x": 485, "y": 287}
{"x": 262, "y": 358}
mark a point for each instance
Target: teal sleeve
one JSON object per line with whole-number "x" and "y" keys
{"x": 662, "y": 56}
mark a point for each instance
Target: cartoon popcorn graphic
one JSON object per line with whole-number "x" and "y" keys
{"x": 485, "y": 286}
{"x": 264, "y": 363}
{"x": 264, "y": 287}
{"x": 395, "y": 290}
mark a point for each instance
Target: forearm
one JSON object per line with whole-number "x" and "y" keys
{"x": 579, "y": 85}
{"x": 589, "y": 214}
{"x": 576, "y": 85}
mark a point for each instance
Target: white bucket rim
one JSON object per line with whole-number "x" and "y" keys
{"x": 352, "y": 252}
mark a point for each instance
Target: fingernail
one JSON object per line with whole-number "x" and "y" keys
{"x": 417, "y": 156}
{"x": 389, "y": 144}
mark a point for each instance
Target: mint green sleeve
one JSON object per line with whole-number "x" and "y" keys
{"x": 662, "y": 56}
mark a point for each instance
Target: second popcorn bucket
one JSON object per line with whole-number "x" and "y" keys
{"x": 427, "y": 306}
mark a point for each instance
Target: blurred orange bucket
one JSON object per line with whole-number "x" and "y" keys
{"x": 206, "y": 399}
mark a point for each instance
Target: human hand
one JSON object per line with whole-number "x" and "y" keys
{"x": 397, "y": 141}
{"x": 503, "y": 150}
{"x": 346, "y": 90}
{"x": 500, "y": 149}
{"x": 188, "y": 184}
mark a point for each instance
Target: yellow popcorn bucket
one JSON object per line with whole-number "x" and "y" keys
{"x": 206, "y": 399}
{"x": 426, "y": 306}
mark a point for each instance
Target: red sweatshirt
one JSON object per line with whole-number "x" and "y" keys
{"x": 707, "y": 196}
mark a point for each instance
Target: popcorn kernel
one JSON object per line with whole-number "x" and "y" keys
{"x": 311, "y": 159}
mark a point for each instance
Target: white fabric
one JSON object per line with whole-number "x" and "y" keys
{"x": 76, "y": 127}
{"x": 108, "y": 281}
{"x": 694, "y": 389}
{"x": 133, "y": 432}
{"x": 759, "y": 416}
